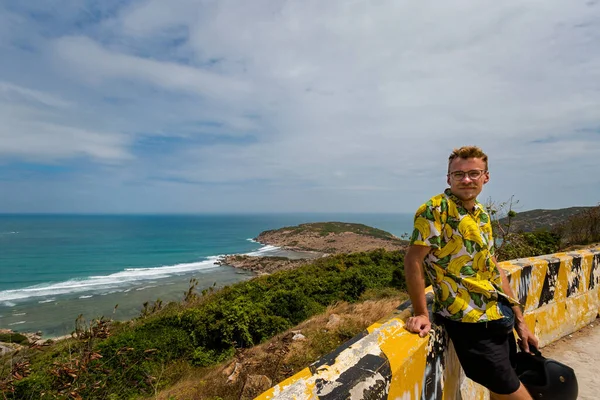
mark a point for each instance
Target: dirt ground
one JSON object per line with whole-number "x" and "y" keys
{"x": 580, "y": 351}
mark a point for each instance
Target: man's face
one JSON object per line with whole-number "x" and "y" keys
{"x": 466, "y": 188}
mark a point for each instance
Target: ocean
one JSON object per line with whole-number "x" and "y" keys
{"x": 54, "y": 268}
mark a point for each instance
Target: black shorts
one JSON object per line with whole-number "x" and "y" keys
{"x": 486, "y": 353}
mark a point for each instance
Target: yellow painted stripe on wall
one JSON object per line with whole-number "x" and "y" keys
{"x": 407, "y": 354}
{"x": 303, "y": 375}
{"x": 587, "y": 261}
{"x": 562, "y": 283}
{"x": 509, "y": 267}
{"x": 550, "y": 322}
{"x": 582, "y": 309}
{"x": 539, "y": 270}
{"x": 515, "y": 281}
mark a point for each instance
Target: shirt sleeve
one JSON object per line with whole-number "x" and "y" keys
{"x": 427, "y": 228}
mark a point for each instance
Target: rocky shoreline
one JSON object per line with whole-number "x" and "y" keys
{"x": 12, "y": 341}
{"x": 262, "y": 265}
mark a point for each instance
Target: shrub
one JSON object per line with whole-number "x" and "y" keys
{"x": 13, "y": 337}
{"x": 582, "y": 228}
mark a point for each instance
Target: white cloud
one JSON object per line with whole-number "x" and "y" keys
{"x": 13, "y": 93}
{"x": 337, "y": 96}
{"x": 97, "y": 64}
{"x": 24, "y": 136}
{"x": 33, "y": 127}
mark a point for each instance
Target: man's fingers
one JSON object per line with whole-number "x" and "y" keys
{"x": 418, "y": 325}
{"x": 525, "y": 346}
{"x": 534, "y": 342}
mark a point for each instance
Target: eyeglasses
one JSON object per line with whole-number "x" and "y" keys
{"x": 473, "y": 174}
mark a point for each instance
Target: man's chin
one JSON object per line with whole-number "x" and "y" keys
{"x": 467, "y": 195}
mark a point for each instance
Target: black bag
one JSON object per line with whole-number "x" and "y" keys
{"x": 546, "y": 378}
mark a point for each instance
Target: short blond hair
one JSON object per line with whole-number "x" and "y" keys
{"x": 468, "y": 152}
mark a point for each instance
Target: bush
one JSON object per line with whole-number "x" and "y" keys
{"x": 13, "y": 337}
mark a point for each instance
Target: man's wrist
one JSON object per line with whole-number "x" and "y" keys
{"x": 520, "y": 321}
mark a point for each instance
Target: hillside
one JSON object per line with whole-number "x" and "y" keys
{"x": 529, "y": 221}
{"x": 168, "y": 343}
{"x": 331, "y": 237}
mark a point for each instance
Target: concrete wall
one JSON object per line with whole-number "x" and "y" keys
{"x": 560, "y": 293}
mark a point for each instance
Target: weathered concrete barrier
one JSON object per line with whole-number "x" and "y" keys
{"x": 560, "y": 293}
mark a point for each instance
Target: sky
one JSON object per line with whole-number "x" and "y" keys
{"x": 232, "y": 106}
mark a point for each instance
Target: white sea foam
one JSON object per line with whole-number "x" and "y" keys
{"x": 114, "y": 282}
{"x": 145, "y": 287}
{"x": 251, "y": 240}
{"x": 21, "y": 313}
{"x": 264, "y": 250}
{"x": 46, "y": 301}
{"x": 17, "y": 323}
{"x": 86, "y": 297}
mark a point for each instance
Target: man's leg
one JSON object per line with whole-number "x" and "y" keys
{"x": 520, "y": 394}
{"x": 485, "y": 357}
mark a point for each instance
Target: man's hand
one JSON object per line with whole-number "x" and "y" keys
{"x": 415, "y": 283}
{"x": 526, "y": 337}
{"x": 418, "y": 324}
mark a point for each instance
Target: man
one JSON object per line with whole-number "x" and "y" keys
{"x": 452, "y": 241}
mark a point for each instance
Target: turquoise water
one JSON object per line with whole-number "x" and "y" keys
{"x": 55, "y": 267}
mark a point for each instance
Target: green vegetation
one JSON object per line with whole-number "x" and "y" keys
{"x": 539, "y": 232}
{"x": 325, "y": 228}
{"x": 582, "y": 228}
{"x": 528, "y": 244}
{"x": 12, "y": 337}
{"x": 125, "y": 360}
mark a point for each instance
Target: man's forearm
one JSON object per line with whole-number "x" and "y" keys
{"x": 415, "y": 281}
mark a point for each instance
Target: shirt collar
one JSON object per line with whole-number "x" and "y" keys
{"x": 476, "y": 209}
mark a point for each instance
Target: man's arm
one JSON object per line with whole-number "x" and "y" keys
{"x": 415, "y": 281}
{"x": 523, "y": 331}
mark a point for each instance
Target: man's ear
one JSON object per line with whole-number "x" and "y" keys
{"x": 448, "y": 180}
{"x": 487, "y": 178}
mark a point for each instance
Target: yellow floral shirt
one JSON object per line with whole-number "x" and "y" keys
{"x": 466, "y": 281}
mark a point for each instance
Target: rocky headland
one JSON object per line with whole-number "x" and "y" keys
{"x": 331, "y": 238}
{"x": 320, "y": 239}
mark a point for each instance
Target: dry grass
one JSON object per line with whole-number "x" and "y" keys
{"x": 580, "y": 247}
{"x": 281, "y": 357}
